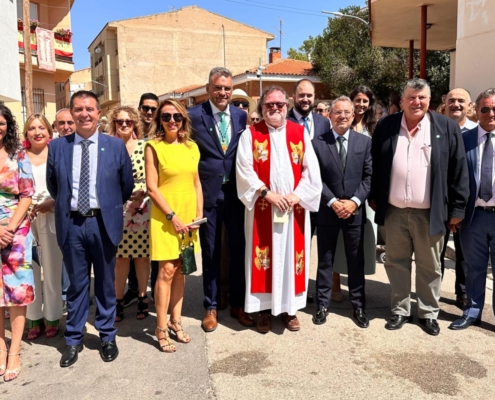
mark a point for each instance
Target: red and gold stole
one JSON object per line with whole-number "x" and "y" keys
{"x": 262, "y": 251}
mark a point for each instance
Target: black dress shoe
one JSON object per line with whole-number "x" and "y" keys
{"x": 397, "y": 321}
{"x": 321, "y": 316}
{"x": 464, "y": 322}
{"x": 109, "y": 351}
{"x": 361, "y": 319}
{"x": 430, "y": 326}
{"x": 69, "y": 356}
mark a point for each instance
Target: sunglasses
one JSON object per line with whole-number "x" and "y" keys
{"x": 278, "y": 105}
{"x": 147, "y": 109}
{"x": 237, "y": 103}
{"x": 485, "y": 110}
{"x": 166, "y": 117}
{"x": 127, "y": 122}
{"x": 319, "y": 110}
{"x": 255, "y": 119}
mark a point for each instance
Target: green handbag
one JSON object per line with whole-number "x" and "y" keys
{"x": 187, "y": 256}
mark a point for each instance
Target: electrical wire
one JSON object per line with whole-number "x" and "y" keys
{"x": 278, "y": 9}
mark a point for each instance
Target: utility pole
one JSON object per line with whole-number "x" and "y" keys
{"x": 28, "y": 63}
{"x": 280, "y": 32}
{"x": 259, "y": 73}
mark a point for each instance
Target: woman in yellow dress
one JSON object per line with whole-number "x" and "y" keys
{"x": 177, "y": 199}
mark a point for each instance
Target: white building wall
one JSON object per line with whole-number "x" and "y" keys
{"x": 10, "y": 82}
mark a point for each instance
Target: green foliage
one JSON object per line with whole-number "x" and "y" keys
{"x": 304, "y": 51}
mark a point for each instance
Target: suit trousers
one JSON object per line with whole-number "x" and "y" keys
{"x": 460, "y": 279}
{"x": 407, "y": 231}
{"x": 229, "y": 211}
{"x": 327, "y": 236}
{"x": 478, "y": 244}
{"x": 88, "y": 244}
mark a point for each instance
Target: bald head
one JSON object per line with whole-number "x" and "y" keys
{"x": 457, "y": 103}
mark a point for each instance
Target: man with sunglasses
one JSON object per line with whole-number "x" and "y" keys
{"x": 323, "y": 108}
{"x": 254, "y": 118}
{"x": 478, "y": 228}
{"x": 148, "y": 104}
{"x": 217, "y": 127}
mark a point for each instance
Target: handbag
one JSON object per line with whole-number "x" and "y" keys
{"x": 187, "y": 256}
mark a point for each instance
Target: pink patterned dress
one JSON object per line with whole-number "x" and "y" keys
{"x": 16, "y": 275}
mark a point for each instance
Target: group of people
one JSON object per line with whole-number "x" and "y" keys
{"x": 126, "y": 202}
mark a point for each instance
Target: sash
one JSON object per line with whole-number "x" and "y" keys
{"x": 261, "y": 252}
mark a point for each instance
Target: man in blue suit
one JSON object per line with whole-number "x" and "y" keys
{"x": 477, "y": 231}
{"x": 345, "y": 165}
{"x": 217, "y": 127}
{"x": 90, "y": 177}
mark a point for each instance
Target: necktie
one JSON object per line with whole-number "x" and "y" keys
{"x": 224, "y": 138}
{"x": 83, "y": 205}
{"x": 487, "y": 169}
{"x": 306, "y": 126}
{"x": 342, "y": 151}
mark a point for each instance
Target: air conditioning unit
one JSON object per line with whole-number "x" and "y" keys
{"x": 190, "y": 102}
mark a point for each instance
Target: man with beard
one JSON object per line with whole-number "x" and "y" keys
{"x": 278, "y": 180}
{"x": 147, "y": 108}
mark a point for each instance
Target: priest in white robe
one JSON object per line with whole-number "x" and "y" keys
{"x": 278, "y": 180}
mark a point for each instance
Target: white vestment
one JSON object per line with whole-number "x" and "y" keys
{"x": 283, "y": 297}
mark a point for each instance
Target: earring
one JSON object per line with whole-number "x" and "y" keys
{"x": 182, "y": 134}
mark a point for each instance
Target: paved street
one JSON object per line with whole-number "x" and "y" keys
{"x": 337, "y": 360}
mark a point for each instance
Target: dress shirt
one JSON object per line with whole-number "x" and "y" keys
{"x": 468, "y": 125}
{"x": 310, "y": 122}
{"x": 76, "y": 170}
{"x": 228, "y": 120}
{"x": 481, "y": 147}
{"x": 411, "y": 168}
{"x": 346, "y": 146}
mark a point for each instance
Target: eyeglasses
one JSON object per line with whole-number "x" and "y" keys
{"x": 127, "y": 122}
{"x": 320, "y": 110}
{"x": 166, "y": 117}
{"x": 339, "y": 113}
{"x": 237, "y": 103}
{"x": 485, "y": 110}
{"x": 255, "y": 119}
{"x": 222, "y": 88}
{"x": 278, "y": 105}
{"x": 147, "y": 109}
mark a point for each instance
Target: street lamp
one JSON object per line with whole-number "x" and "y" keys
{"x": 340, "y": 15}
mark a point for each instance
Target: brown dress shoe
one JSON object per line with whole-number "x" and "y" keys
{"x": 210, "y": 321}
{"x": 291, "y": 322}
{"x": 264, "y": 324}
{"x": 243, "y": 317}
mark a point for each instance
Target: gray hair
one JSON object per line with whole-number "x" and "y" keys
{"x": 59, "y": 111}
{"x": 219, "y": 71}
{"x": 484, "y": 95}
{"x": 266, "y": 92}
{"x": 339, "y": 99}
{"x": 326, "y": 104}
{"x": 416, "y": 84}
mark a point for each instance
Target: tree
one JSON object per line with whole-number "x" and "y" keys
{"x": 344, "y": 58}
{"x": 304, "y": 51}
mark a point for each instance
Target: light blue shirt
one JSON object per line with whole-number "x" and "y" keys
{"x": 76, "y": 170}
{"x": 345, "y": 144}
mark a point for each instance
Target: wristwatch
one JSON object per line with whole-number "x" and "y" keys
{"x": 264, "y": 192}
{"x": 170, "y": 216}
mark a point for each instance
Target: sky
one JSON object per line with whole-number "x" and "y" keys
{"x": 299, "y": 21}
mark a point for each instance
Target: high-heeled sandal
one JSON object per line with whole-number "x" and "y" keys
{"x": 33, "y": 333}
{"x": 142, "y": 310}
{"x": 3, "y": 366}
{"x": 51, "y": 328}
{"x": 166, "y": 348}
{"x": 119, "y": 312}
{"x": 184, "y": 337}
{"x": 14, "y": 371}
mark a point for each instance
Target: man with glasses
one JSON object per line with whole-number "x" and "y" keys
{"x": 254, "y": 118}
{"x": 323, "y": 108}
{"x": 278, "y": 180}
{"x": 148, "y": 104}
{"x": 217, "y": 127}
{"x": 478, "y": 228}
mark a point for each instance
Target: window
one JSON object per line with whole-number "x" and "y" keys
{"x": 38, "y": 101}
{"x": 33, "y": 10}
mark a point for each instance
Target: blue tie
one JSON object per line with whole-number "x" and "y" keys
{"x": 83, "y": 205}
{"x": 486, "y": 186}
{"x": 306, "y": 126}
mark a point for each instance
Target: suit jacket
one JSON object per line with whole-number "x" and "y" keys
{"x": 470, "y": 139}
{"x": 449, "y": 187}
{"x": 214, "y": 163}
{"x": 114, "y": 183}
{"x": 322, "y": 124}
{"x": 355, "y": 181}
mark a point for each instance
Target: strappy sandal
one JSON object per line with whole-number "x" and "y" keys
{"x": 3, "y": 366}
{"x": 142, "y": 311}
{"x": 166, "y": 348}
{"x": 184, "y": 337}
{"x": 33, "y": 333}
{"x": 14, "y": 371}
{"x": 119, "y": 312}
{"x": 51, "y": 328}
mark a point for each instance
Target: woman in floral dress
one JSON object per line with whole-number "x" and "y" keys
{"x": 16, "y": 275}
{"x": 125, "y": 124}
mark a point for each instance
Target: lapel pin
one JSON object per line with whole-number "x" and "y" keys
{"x": 211, "y": 129}
{"x": 438, "y": 136}
{"x": 102, "y": 149}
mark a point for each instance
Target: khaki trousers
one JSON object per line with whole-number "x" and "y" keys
{"x": 407, "y": 233}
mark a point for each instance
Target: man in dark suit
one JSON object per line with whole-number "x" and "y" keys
{"x": 217, "y": 127}
{"x": 478, "y": 228}
{"x": 345, "y": 165}
{"x": 89, "y": 175}
{"x": 419, "y": 184}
